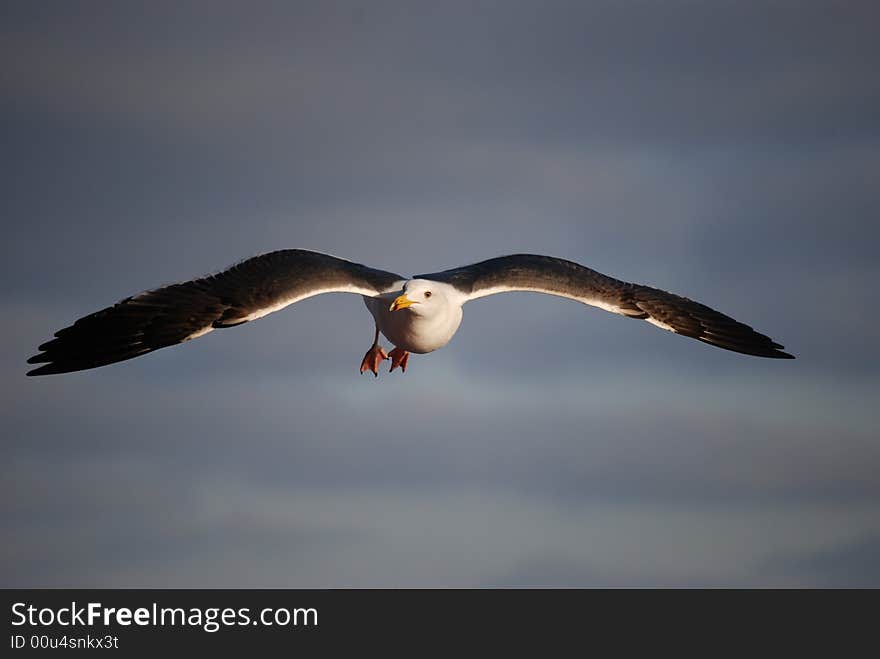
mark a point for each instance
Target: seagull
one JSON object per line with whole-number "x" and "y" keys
{"x": 418, "y": 315}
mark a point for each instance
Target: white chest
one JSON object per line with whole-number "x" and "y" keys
{"x": 413, "y": 332}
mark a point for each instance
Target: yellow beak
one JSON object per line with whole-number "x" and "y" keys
{"x": 402, "y": 302}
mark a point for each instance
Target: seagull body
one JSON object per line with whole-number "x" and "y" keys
{"x": 432, "y": 317}
{"x": 418, "y": 315}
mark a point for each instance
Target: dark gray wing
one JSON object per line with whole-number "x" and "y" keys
{"x": 173, "y": 314}
{"x": 546, "y": 274}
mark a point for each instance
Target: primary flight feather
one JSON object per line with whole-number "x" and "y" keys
{"x": 418, "y": 315}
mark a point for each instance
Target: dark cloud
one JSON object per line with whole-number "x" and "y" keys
{"x": 727, "y": 151}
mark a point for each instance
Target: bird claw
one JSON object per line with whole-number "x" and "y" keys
{"x": 399, "y": 357}
{"x": 375, "y": 356}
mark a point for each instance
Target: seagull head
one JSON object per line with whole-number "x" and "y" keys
{"x": 420, "y": 296}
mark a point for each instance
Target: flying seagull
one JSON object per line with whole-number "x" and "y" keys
{"x": 418, "y": 315}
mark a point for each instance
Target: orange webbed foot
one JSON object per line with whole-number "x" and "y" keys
{"x": 375, "y": 356}
{"x": 399, "y": 357}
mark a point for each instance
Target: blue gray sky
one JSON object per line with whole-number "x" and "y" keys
{"x": 726, "y": 151}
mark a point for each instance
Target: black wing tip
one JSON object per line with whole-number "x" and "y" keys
{"x": 47, "y": 367}
{"x": 778, "y": 354}
{"x": 43, "y": 370}
{"x": 51, "y": 367}
{"x": 773, "y": 351}
{"x": 59, "y": 368}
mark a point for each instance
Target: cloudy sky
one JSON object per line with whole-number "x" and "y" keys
{"x": 726, "y": 151}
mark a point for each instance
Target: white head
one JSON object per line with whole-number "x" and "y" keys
{"x": 424, "y": 316}
{"x": 422, "y": 297}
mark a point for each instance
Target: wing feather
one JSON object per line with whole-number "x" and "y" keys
{"x": 554, "y": 276}
{"x": 172, "y": 314}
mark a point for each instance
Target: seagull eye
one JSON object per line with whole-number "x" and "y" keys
{"x": 427, "y": 293}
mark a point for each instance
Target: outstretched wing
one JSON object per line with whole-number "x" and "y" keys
{"x": 180, "y": 312}
{"x": 546, "y": 274}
